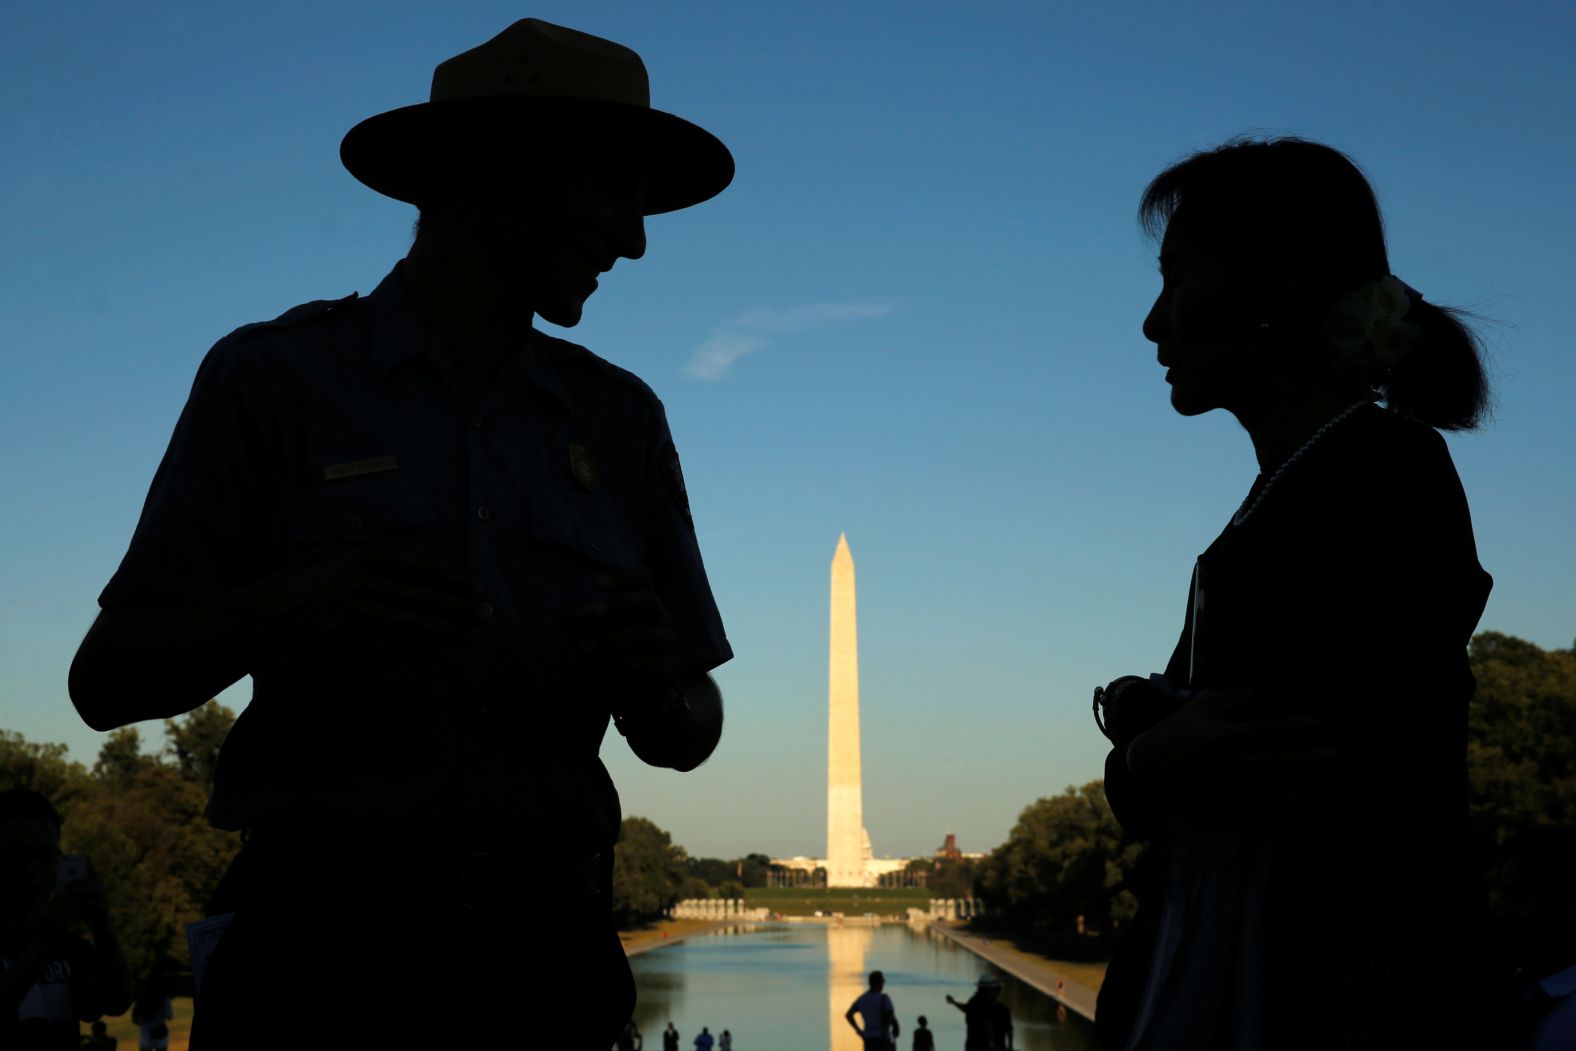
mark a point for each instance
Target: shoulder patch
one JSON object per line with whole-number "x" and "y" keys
{"x": 673, "y": 476}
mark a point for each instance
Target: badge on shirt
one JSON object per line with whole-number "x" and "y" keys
{"x": 583, "y": 466}
{"x": 674, "y": 475}
{"x": 375, "y": 465}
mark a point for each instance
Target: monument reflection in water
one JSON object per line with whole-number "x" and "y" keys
{"x": 785, "y": 988}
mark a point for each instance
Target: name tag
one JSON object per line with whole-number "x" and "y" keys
{"x": 376, "y": 465}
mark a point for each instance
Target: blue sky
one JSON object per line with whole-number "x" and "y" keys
{"x": 914, "y": 317}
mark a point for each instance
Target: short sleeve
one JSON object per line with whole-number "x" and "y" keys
{"x": 204, "y": 514}
{"x": 673, "y": 557}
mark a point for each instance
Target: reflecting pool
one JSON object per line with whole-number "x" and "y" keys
{"x": 785, "y": 988}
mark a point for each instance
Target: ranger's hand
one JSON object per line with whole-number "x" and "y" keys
{"x": 387, "y": 593}
{"x": 623, "y": 642}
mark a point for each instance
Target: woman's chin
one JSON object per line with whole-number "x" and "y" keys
{"x": 1189, "y": 403}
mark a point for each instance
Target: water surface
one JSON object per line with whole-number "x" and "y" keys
{"x": 785, "y": 988}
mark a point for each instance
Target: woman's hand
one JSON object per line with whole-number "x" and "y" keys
{"x": 1223, "y": 736}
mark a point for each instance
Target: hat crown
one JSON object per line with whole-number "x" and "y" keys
{"x": 537, "y": 58}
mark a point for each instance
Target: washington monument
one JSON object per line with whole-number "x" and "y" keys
{"x": 847, "y": 843}
{"x": 849, "y": 861}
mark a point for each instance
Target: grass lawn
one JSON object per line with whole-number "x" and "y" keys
{"x": 806, "y": 901}
{"x": 122, "y": 1028}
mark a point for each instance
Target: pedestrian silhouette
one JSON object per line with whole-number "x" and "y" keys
{"x": 51, "y": 978}
{"x": 98, "y": 1038}
{"x": 986, "y": 1020}
{"x": 874, "y": 1008}
{"x": 448, "y": 548}
{"x": 705, "y": 1040}
{"x": 629, "y": 1039}
{"x": 924, "y": 1039}
{"x": 1299, "y": 768}
{"x": 154, "y": 1007}
{"x": 725, "y": 1041}
{"x": 670, "y": 1038}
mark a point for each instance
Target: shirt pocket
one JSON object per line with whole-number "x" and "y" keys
{"x": 588, "y": 527}
{"x": 345, "y": 513}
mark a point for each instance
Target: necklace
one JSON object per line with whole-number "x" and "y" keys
{"x": 1246, "y": 510}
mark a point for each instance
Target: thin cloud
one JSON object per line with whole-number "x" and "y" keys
{"x": 713, "y": 358}
{"x": 747, "y": 332}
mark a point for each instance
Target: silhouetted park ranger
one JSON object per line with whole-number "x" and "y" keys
{"x": 447, "y": 547}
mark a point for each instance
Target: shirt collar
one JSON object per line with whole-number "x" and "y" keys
{"x": 1560, "y": 983}
{"x": 399, "y": 334}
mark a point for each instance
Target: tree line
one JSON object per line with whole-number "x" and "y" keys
{"x": 139, "y": 817}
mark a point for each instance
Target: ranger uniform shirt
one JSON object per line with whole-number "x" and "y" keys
{"x": 338, "y": 424}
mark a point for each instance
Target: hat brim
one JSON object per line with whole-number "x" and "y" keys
{"x": 412, "y": 153}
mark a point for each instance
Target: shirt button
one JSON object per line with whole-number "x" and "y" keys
{"x": 484, "y": 610}
{"x": 483, "y": 513}
{"x": 596, "y": 545}
{"x": 476, "y": 421}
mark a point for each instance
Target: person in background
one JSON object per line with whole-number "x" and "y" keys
{"x": 630, "y": 1039}
{"x": 155, "y": 1008}
{"x": 987, "y": 1022}
{"x": 924, "y": 1039}
{"x": 1299, "y": 769}
{"x": 874, "y": 1008}
{"x": 725, "y": 1041}
{"x": 670, "y": 1038}
{"x": 51, "y": 978}
{"x": 98, "y": 1038}
{"x": 705, "y": 1040}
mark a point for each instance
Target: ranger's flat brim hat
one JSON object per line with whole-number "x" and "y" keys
{"x": 532, "y": 89}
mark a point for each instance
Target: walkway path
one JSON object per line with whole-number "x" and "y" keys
{"x": 667, "y": 932}
{"x": 1031, "y": 970}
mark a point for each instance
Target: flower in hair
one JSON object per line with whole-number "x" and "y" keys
{"x": 1374, "y": 317}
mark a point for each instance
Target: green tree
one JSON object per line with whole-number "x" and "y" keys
{"x": 121, "y": 759}
{"x": 753, "y": 869}
{"x": 647, "y": 871}
{"x": 1521, "y": 753}
{"x": 44, "y": 768}
{"x": 951, "y": 878}
{"x": 193, "y": 742}
{"x": 692, "y": 887}
{"x": 712, "y": 870}
{"x": 730, "y": 889}
{"x": 1064, "y": 858}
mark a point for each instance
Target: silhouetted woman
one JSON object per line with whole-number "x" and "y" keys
{"x": 1300, "y": 768}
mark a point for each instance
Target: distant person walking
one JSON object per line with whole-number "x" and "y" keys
{"x": 874, "y": 1008}
{"x": 725, "y": 1041}
{"x": 924, "y": 1039}
{"x": 670, "y": 1038}
{"x": 154, "y": 1009}
{"x": 705, "y": 1040}
{"x": 630, "y": 1039}
{"x": 986, "y": 1018}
